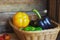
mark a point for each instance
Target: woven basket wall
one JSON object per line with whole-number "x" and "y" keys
{"x": 50, "y": 34}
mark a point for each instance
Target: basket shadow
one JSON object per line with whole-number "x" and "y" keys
{"x": 58, "y": 37}
{"x": 9, "y": 29}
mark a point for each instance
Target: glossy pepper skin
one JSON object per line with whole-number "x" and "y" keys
{"x": 21, "y": 19}
{"x": 44, "y": 24}
{"x": 38, "y": 29}
{"x": 49, "y": 23}
{"x": 31, "y": 28}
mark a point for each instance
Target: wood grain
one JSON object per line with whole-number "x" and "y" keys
{"x": 52, "y": 9}
{"x": 18, "y": 5}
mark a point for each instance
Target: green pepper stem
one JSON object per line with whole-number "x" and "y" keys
{"x": 37, "y": 13}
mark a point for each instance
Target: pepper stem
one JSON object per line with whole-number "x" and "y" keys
{"x": 37, "y": 13}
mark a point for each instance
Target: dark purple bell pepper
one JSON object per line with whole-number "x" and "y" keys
{"x": 45, "y": 22}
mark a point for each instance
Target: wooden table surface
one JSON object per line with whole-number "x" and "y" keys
{"x": 13, "y": 36}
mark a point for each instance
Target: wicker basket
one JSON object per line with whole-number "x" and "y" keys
{"x": 50, "y": 34}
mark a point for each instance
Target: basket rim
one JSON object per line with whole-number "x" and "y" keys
{"x": 47, "y": 30}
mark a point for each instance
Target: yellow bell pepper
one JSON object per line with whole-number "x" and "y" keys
{"x": 21, "y": 19}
